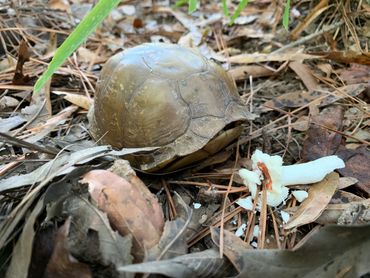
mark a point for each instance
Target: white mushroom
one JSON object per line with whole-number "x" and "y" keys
{"x": 270, "y": 169}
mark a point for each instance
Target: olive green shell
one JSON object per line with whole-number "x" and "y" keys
{"x": 163, "y": 95}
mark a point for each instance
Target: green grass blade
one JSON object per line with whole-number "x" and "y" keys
{"x": 90, "y": 22}
{"x": 192, "y": 5}
{"x": 225, "y": 9}
{"x": 286, "y": 15}
{"x": 180, "y": 3}
{"x": 242, "y": 4}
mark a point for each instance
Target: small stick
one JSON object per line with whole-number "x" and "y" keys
{"x": 206, "y": 231}
{"x": 251, "y": 220}
{"x": 292, "y": 240}
{"x": 225, "y": 204}
{"x": 263, "y": 219}
{"x": 249, "y": 230}
{"x": 173, "y": 212}
{"x": 276, "y": 229}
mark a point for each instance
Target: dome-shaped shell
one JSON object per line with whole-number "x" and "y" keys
{"x": 163, "y": 95}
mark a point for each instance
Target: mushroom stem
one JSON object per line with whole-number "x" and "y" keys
{"x": 310, "y": 172}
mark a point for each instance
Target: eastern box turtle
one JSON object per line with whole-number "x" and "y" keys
{"x": 169, "y": 96}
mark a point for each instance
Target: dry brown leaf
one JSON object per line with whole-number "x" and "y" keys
{"x": 301, "y": 124}
{"x": 321, "y": 141}
{"x": 329, "y": 251}
{"x": 355, "y": 74}
{"x": 131, "y": 208}
{"x": 206, "y": 263}
{"x": 346, "y": 57}
{"x": 233, "y": 246}
{"x": 342, "y": 197}
{"x": 304, "y": 72}
{"x": 318, "y": 198}
{"x": 345, "y": 182}
{"x": 7, "y": 124}
{"x": 327, "y": 69}
{"x": 62, "y": 264}
{"x": 38, "y": 132}
{"x": 77, "y": 99}
{"x": 7, "y": 102}
{"x": 278, "y": 57}
{"x": 86, "y": 55}
{"x": 243, "y": 72}
{"x": 250, "y": 32}
{"x": 357, "y": 166}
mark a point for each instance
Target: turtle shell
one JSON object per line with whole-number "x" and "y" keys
{"x": 163, "y": 95}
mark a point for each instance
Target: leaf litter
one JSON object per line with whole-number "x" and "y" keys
{"x": 309, "y": 86}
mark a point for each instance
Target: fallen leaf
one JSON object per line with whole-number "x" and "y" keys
{"x": 5, "y": 138}
{"x": 22, "y": 251}
{"x": 86, "y": 55}
{"x": 58, "y": 191}
{"x": 327, "y": 69}
{"x": 42, "y": 176}
{"x": 360, "y": 134}
{"x": 346, "y": 57}
{"x": 250, "y": 32}
{"x": 61, "y": 165}
{"x": 62, "y": 264}
{"x": 201, "y": 264}
{"x": 42, "y": 249}
{"x": 233, "y": 246}
{"x": 319, "y": 196}
{"x": 356, "y": 73}
{"x": 40, "y": 131}
{"x": 11, "y": 122}
{"x": 76, "y": 99}
{"x": 7, "y": 102}
{"x": 194, "y": 36}
{"x": 261, "y": 57}
{"x": 345, "y": 182}
{"x": 301, "y": 124}
{"x": 131, "y": 209}
{"x": 244, "y": 72}
{"x": 305, "y": 74}
{"x": 357, "y": 166}
{"x": 323, "y": 141}
{"x": 92, "y": 238}
{"x": 325, "y": 252}
{"x": 343, "y": 197}
{"x": 172, "y": 242}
